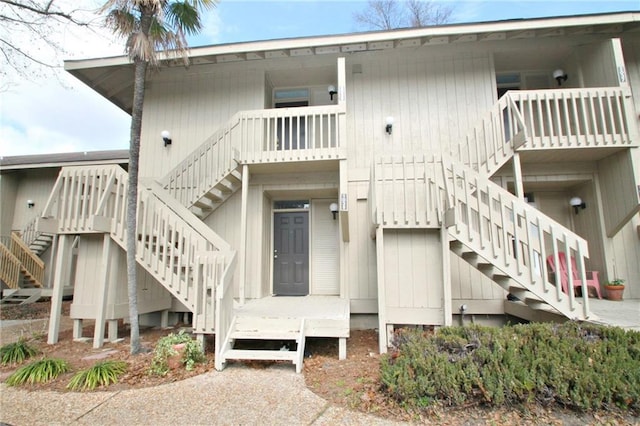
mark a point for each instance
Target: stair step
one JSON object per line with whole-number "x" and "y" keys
{"x": 261, "y": 355}
{"x": 267, "y": 324}
{"x": 235, "y": 174}
{"x": 265, "y": 335}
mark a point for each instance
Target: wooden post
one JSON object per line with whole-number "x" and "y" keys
{"x": 62, "y": 261}
{"x": 113, "y": 330}
{"x": 103, "y": 292}
{"x": 382, "y": 317}
{"x": 342, "y": 82}
{"x": 243, "y": 232}
{"x": 517, "y": 176}
{"x": 446, "y": 277}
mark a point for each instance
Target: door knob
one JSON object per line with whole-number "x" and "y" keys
{"x": 275, "y": 256}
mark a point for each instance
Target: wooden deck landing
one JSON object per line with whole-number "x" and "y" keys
{"x": 325, "y": 316}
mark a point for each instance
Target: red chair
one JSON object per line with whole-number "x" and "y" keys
{"x": 592, "y": 276}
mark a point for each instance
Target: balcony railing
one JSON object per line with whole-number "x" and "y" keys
{"x": 291, "y": 134}
{"x": 577, "y": 118}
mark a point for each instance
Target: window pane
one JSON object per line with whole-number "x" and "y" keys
{"x": 291, "y": 204}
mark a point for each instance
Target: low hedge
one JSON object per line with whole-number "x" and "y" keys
{"x": 585, "y": 367}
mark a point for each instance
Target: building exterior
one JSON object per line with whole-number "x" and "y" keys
{"x": 413, "y": 174}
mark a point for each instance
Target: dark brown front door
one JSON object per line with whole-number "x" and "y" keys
{"x": 291, "y": 254}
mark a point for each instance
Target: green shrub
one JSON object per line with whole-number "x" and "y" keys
{"x": 575, "y": 365}
{"x": 17, "y": 352}
{"x": 100, "y": 374}
{"x": 191, "y": 354}
{"x": 40, "y": 371}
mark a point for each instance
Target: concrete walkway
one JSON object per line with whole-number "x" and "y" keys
{"x": 237, "y": 396}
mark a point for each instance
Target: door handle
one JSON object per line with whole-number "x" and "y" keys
{"x": 275, "y": 256}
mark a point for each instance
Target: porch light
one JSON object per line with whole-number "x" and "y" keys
{"x": 166, "y": 137}
{"x": 332, "y": 91}
{"x": 560, "y": 76}
{"x": 389, "y": 127}
{"x": 333, "y": 208}
{"x": 30, "y": 203}
{"x": 577, "y": 204}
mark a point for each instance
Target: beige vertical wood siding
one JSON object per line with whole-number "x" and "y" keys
{"x": 192, "y": 106}
{"x": 434, "y": 100}
{"x": 8, "y": 193}
{"x": 413, "y": 276}
{"x": 33, "y": 185}
{"x": 619, "y": 190}
{"x": 597, "y": 64}
{"x": 324, "y": 250}
{"x": 86, "y": 297}
{"x": 361, "y": 252}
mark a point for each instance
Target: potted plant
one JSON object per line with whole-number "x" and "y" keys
{"x": 614, "y": 289}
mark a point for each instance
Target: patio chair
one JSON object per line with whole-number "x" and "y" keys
{"x": 591, "y": 276}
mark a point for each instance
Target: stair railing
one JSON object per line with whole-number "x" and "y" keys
{"x": 206, "y": 165}
{"x": 511, "y": 234}
{"x": 574, "y": 118}
{"x": 9, "y": 267}
{"x": 404, "y": 192}
{"x": 492, "y": 142}
{"x": 76, "y": 194}
{"x": 33, "y": 265}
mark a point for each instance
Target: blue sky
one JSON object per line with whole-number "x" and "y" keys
{"x": 60, "y": 114}
{"x": 261, "y": 20}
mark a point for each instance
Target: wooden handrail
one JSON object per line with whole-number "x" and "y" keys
{"x": 9, "y": 267}
{"x": 29, "y": 260}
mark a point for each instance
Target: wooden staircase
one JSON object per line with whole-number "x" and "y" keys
{"x": 508, "y": 241}
{"x": 265, "y": 339}
{"x": 21, "y": 296}
{"x": 214, "y": 197}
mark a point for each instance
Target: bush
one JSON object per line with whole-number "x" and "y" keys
{"x": 575, "y": 365}
{"x": 100, "y": 374}
{"x": 41, "y": 371}
{"x": 15, "y": 353}
{"x": 191, "y": 354}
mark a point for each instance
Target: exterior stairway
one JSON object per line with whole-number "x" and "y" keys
{"x": 273, "y": 339}
{"x": 507, "y": 240}
{"x": 184, "y": 255}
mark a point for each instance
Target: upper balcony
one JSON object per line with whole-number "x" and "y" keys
{"x": 601, "y": 119}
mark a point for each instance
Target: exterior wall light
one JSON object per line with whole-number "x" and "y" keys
{"x": 332, "y": 91}
{"x": 560, "y": 76}
{"x": 166, "y": 137}
{"x": 333, "y": 208}
{"x": 389, "y": 127}
{"x": 577, "y": 204}
{"x": 30, "y": 204}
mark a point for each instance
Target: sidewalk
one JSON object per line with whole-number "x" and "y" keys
{"x": 237, "y": 396}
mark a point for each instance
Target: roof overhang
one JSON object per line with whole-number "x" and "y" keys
{"x": 113, "y": 77}
{"x": 22, "y": 162}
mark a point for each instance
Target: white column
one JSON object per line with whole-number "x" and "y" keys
{"x": 243, "y": 233}
{"x": 63, "y": 258}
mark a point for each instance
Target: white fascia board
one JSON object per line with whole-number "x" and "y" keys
{"x": 455, "y": 30}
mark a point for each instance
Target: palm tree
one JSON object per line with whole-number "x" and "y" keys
{"x": 149, "y": 26}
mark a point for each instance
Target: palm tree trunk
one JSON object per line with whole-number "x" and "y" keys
{"x": 140, "y": 72}
{"x": 132, "y": 202}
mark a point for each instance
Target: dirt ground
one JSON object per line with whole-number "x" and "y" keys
{"x": 351, "y": 383}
